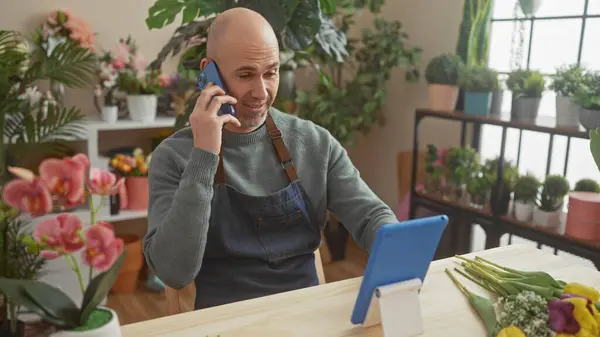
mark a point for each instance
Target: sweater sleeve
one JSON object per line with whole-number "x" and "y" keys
{"x": 178, "y": 214}
{"x": 358, "y": 208}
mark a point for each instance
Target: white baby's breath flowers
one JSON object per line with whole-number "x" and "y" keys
{"x": 528, "y": 311}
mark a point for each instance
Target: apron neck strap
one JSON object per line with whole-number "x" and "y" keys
{"x": 280, "y": 149}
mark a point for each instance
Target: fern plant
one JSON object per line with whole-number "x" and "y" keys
{"x": 40, "y": 124}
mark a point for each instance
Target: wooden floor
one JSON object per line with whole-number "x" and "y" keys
{"x": 144, "y": 304}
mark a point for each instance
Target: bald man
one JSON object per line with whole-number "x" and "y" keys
{"x": 238, "y": 203}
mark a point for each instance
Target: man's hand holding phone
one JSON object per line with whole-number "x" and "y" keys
{"x": 206, "y": 125}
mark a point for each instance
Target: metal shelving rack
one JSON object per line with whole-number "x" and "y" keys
{"x": 494, "y": 224}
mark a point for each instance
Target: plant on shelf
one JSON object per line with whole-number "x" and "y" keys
{"x": 34, "y": 121}
{"x": 441, "y": 75}
{"x": 479, "y": 188}
{"x": 526, "y": 194}
{"x": 567, "y": 81}
{"x": 134, "y": 168}
{"x": 588, "y": 99}
{"x": 17, "y": 262}
{"x": 66, "y": 182}
{"x": 478, "y": 83}
{"x": 435, "y": 169}
{"x": 527, "y": 87}
{"x": 462, "y": 163}
{"x": 501, "y": 196}
{"x": 551, "y": 201}
{"x": 587, "y": 185}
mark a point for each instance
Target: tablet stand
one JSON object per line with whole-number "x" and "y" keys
{"x": 396, "y": 306}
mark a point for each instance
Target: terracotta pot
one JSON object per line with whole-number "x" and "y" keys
{"x": 583, "y": 217}
{"x": 137, "y": 193}
{"x": 129, "y": 274}
{"x": 442, "y": 97}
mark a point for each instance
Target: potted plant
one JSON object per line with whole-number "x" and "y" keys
{"x": 550, "y": 202}
{"x": 435, "y": 169}
{"x": 500, "y": 197}
{"x": 105, "y": 90}
{"x": 566, "y": 83}
{"x": 587, "y": 98}
{"x": 527, "y": 87}
{"x": 526, "y": 193}
{"x": 67, "y": 181}
{"x": 17, "y": 262}
{"x": 498, "y": 99}
{"x": 479, "y": 188}
{"x": 461, "y": 163}
{"x": 587, "y": 185}
{"x": 478, "y": 83}
{"x": 442, "y": 79}
{"x": 134, "y": 168}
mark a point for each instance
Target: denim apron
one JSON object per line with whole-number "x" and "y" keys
{"x": 258, "y": 245}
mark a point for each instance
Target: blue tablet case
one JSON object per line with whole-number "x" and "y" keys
{"x": 401, "y": 251}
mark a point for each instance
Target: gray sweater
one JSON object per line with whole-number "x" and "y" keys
{"x": 181, "y": 189}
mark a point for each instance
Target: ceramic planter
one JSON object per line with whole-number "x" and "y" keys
{"x": 110, "y": 329}
{"x": 525, "y": 108}
{"x": 142, "y": 108}
{"x": 478, "y": 103}
{"x": 110, "y": 114}
{"x": 137, "y": 193}
{"x": 442, "y": 97}
{"x": 583, "y": 217}
{"x": 590, "y": 119}
{"x": 549, "y": 220}
{"x": 567, "y": 112}
{"x": 524, "y": 210}
{"x": 497, "y": 100}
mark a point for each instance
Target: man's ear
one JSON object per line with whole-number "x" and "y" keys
{"x": 203, "y": 63}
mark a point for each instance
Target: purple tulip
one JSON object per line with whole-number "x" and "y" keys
{"x": 561, "y": 317}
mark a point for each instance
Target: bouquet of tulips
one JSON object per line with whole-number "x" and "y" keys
{"x": 69, "y": 181}
{"x": 530, "y": 303}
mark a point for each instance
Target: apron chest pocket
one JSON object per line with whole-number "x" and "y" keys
{"x": 291, "y": 234}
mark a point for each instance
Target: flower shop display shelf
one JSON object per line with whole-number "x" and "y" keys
{"x": 496, "y": 222}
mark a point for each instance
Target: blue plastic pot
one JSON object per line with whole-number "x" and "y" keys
{"x": 478, "y": 103}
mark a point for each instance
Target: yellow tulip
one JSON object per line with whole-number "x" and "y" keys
{"x": 586, "y": 319}
{"x": 582, "y": 290}
{"x": 511, "y": 331}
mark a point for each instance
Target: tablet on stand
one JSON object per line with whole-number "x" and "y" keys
{"x": 397, "y": 265}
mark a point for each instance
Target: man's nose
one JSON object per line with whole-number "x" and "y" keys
{"x": 259, "y": 89}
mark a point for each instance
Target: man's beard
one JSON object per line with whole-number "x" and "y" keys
{"x": 251, "y": 119}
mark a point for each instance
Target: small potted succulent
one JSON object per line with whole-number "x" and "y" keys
{"x": 442, "y": 79}
{"x": 525, "y": 197}
{"x": 527, "y": 87}
{"x": 587, "y": 98}
{"x": 478, "y": 82}
{"x": 461, "y": 163}
{"x": 566, "y": 83}
{"x": 551, "y": 201}
{"x": 479, "y": 188}
{"x": 587, "y": 185}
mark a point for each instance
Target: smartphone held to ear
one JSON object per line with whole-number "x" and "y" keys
{"x": 211, "y": 74}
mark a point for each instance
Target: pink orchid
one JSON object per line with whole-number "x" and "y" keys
{"x": 29, "y": 196}
{"x": 122, "y": 53}
{"x": 65, "y": 178}
{"x": 139, "y": 62}
{"x": 103, "y": 248}
{"x": 103, "y": 182}
{"x": 164, "y": 80}
{"x": 59, "y": 235}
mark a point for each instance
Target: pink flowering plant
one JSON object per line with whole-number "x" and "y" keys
{"x": 61, "y": 24}
{"x": 63, "y": 183}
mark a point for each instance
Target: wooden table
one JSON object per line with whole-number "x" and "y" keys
{"x": 325, "y": 310}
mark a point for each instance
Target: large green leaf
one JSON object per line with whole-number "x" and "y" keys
{"x": 99, "y": 288}
{"x": 16, "y": 292}
{"x": 332, "y": 41}
{"x": 164, "y": 12}
{"x": 274, "y": 11}
{"x": 595, "y": 145}
{"x": 303, "y": 25}
{"x": 53, "y": 301}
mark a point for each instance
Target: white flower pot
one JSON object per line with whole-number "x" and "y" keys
{"x": 111, "y": 329}
{"x": 142, "y": 108}
{"x": 110, "y": 114}
{"x": 567, "y": 113}
{"x": 524, "y": 211}
{"x": 550, "y": 220}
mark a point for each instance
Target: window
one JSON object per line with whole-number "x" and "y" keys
{"x": 560, "y": 33}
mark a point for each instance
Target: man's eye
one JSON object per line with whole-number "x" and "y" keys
{"x": 244, "y": 75}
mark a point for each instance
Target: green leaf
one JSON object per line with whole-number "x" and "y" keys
{"x": 15, "y": 291}
{"x": 53, "y": 301}
{"x": 332, "y": 41}
{"x": 303, "y": 25}
{"x": 595, "y": 146}
{"x": 274, "y": 11}
{"x": 164, "y": 12}
{"x": 328, "y": 6}
{"x": 99, "y": 288}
